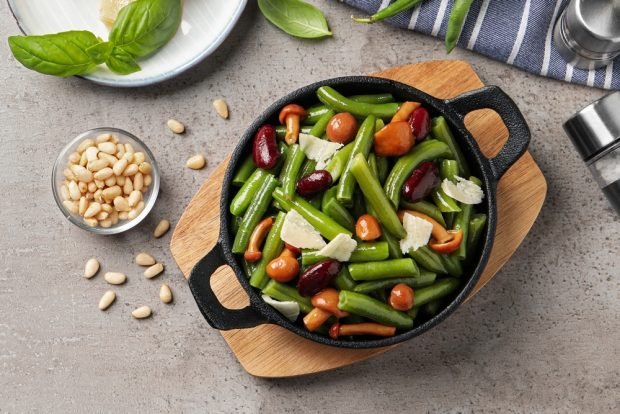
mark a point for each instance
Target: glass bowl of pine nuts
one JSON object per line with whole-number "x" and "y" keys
{"x": 105, "y": 181}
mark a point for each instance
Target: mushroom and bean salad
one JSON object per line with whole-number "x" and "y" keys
{"x": 357, "y": 213}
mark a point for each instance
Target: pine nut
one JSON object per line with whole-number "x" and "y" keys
{"x": 82, "y": 206}
{"x": 92, "y": 187}
{"x": 129, "y": 148}
{"x": 91, "y": 222}
{"x": 103, "y": 215}
{"x": 74, "y": 158}
{"x": 83, "y": 187}
{"x": 139, "y": 157}
{"x": 103, "y": 173}
{"x": 107, "y": 208}
{"x": 114, "y": 217}
{"x": 145, "y": 259}
{"x": 90, "y": 196}
{"x": 107, "y": 223}
{"x": 120, "y": 150}
{"x": 154, "y": 270}
{"x": 83, "y": 159}
{"x": 161, "y": 228}
{"x": 84, "y": 144}
{"x": 71, "y": 206}
{"x": 128, "y": 156}
{"x": 130, "y": 170}
{"x": 221, "y": 108}
{"x": 97, "y": 165}
{"x": 135, "y": 212}
{"x": 142, "y": 312}
{"x": 111, "y": 159}
{"x": 114, "y": 139}
{"x": 115, "y": 278}
{"x": 69, "y": 174}
{"x": 92, "y": 210}
{"x": 107, "y": 147}
{"x": 106, "y": 300}
{"x": 120, "y": 180}
{"x": 121, "y": 204}
{"x": 165, "y": 294}
{"x": 128, "y": 187}
{"x": 148, "y": 180}
{"x": 120, "y": 166}
{"x": 81, "y": 173}
{"x": 110, "y": 193}
{"x": 196, "y": 162}
{"x": 100, "y": 184}
{"x": 97, "y": 196}
{"x": 91, "y": 153}
{"x": 91, "y": 268}
{"x": 103, "y": 138}
{"x": 123, "y": 215}
{"x": 74, "y": 191}
{"x": 134, "y": 198}
{"x": 110, "y": 181}
{"x": 64, "y": 192}
{"x": 138, "y": 181}
{"x": 175, "y": 126}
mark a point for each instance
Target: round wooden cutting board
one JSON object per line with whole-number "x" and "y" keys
{"x": 264, "y": 351}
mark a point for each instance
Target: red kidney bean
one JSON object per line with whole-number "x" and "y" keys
{"x": 318, "y": 277}
{"x": 422, "y": 181}
{"x": 420, "y": 123}
{"x": 314, "y": 183}
{"x": 265, "y": 151}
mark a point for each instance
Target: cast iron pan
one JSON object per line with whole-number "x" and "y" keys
{"x": 454, "y": 110}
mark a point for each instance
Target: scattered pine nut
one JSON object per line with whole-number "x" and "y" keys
{"x": 115, "y": 278}
{"x": 165, "y": 294}
{"x": 175, "y": 126}
{"x": 91, "y": 268}
{"x": 196, "y": 162}
{"x": 142, "y": 312}
{"x": 154, "y": 270}
{"x": 221, "y": 108}
{"x": 161, "y": 228}
{"x": 145, "y": 259}
{"x": 107, "y": 299}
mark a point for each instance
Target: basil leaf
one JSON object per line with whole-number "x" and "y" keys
{"x": 122, "y": 62}
{"x": 144, "y": 26}
{"x": 100, "y": 52}
{"x": 295, "y": 17}
{"x": 61, "y": 54}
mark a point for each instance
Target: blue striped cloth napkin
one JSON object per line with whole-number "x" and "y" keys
{"x": 518, "y": 32}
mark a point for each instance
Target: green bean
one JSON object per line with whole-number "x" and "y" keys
{"x": 413, "y": 312}
{"x": 321, "y": 125}
{"x": 280, "y": 291}
{"x": 247, "y": 193}
{"x": 374, "y": 193}
{"x": 325, "y": 225}
{"x": 461, "y": 222}
{"x": 458, "y": 14}
{"x": 363, "y": 305}
{"x": 427, "y": 150}
{"x": 248, "y": 268}
{"x": 244, "y": 171}
{"x": 432, "y": 308}
{"x": 383, "y": 169}
{"x": 379, "y": 124}
{"x": 439, "y": 289}
{"x": 337, "y": 164}
{"x": 254, "y": 213}
{"x": 452, "y": 265}
{"x": 364, "y": 252}
{"x": 281, "y": 130}
{"x": 272, "y": 248}
{"x": 386, "y": 269}
{"x": 444, "y": 202}
{"x": 425, "y": 207}
{"x": 290, "y": 171}
{"x": 449, "y": 169}
{"x": 380, "y": 295}
{"x": 308, "y": 167}
{"x": 339, "y": 213}
{"x": 476, "y": 228}
{"x": 330, "y": 97}
{"x": 361, "y": 145}
{"x": 428, "y": 259}
{"x": 441, "y": 131}
{"x": 372, "y": 164}
{"x": 316, "y": 111}
{"x": 315, "y": 201}
{"x": 392, "y": 10}
{"x": 425, "y": 279}
{"x": 343, "y": 280}
{"x": 236, "y": 223}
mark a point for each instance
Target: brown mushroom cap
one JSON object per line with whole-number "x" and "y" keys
{"x": 291, "y": 109}
{"x": 327, "y": 300}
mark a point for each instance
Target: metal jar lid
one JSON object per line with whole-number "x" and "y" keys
{"x": 596, "y": 126}
{"x": 595, "y": 24}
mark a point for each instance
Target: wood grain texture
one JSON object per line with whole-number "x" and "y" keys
{"x": 260, "y": 350}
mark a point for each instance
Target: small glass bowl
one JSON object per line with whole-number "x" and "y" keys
{"x": 149, "y": 197}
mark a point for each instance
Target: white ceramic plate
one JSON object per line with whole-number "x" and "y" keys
{"x": 205, "y": 25}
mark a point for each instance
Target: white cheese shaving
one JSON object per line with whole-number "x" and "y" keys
{"x": 465, "y": 191}
{"x": 418, "y": 233}
{"x": 289, "y": 309}
{"x": 318, "y": 149}
{"x": 297, "y": 232}
{"x": 340, "y": 248}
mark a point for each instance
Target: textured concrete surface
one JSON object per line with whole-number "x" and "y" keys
{"x": 544, "y": 336}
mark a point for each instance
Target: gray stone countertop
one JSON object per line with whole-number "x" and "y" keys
{"x": 543, "y": 336}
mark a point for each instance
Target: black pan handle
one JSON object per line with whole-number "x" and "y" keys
{"x": 217, "y": 315}
{"x": 492, "y": 97}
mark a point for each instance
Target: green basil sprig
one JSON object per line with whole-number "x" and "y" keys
{"x": 295, "y": 17}
{"x": 141, "y": 28}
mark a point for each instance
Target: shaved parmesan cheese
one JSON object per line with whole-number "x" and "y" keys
{"x": 289, "y": 309}
{"x": 465, "y": 191}
{"x": 418, "y": 233}
{"x": 340, "y": 248}
{"x": 318, "y": 149}
{"x": 297, "y": 232}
